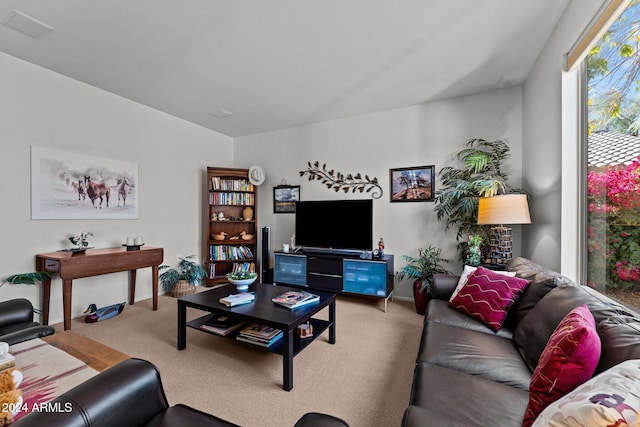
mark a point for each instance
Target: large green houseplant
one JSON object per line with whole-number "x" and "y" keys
{"x": 27, "y": 278}
{"x": 479, "y": 174}
{"x": 421, "y": 269}
{"x": 182, "y": 279}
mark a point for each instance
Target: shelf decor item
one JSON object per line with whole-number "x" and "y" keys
{"x": 183, "y": 279}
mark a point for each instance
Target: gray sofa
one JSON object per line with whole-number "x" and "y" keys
{"x": 466, "y": 374}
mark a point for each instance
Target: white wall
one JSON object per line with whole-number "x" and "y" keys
{"x": 371, "y": 144}
{"x": 542, "y": 134}
{"x": 39, "y": 107}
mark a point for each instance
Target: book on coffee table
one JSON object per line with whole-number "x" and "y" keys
{"x": 261, "y": 335}
{"x": 295, "y": 299}
{"x": 238, "y": 299}
{"x": 219, "y": 330}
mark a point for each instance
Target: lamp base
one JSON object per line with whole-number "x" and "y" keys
{"x": 500, "y": 245}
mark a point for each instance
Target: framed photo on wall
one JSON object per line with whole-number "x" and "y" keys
{"x": 414, "y": 184}
{"x": 285, "y": 198}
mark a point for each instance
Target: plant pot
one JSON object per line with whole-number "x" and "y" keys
{"x": 181, "y": 289}
{"x": 420, "y": 298}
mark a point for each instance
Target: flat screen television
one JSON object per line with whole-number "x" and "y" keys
{"x": 335, "y": 224}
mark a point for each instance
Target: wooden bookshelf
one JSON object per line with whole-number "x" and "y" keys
{"x": 232, "y": 203}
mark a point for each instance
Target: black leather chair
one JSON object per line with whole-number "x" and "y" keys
{"x": 16, "y": 322}
{"x": 130, "y": 394}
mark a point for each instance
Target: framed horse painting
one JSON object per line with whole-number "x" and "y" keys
{"x": 68, "y": 185}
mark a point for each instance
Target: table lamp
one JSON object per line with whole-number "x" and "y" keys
{"x": 500, "y": 210}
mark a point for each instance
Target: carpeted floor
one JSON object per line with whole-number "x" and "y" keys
{"x": 365, "y": 378}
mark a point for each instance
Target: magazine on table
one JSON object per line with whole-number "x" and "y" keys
{"x": 295, "y": 299}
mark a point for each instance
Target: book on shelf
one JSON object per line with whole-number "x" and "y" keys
{"x": 221, "y": 330}
{"x": 221, "y": 320}
{"x": 261, "y": 335}
{"x": 7, "y": 361}
{"x": 295, "y": 299}
{"x": 255, "y": 341}
{"x": 238, "y": 299}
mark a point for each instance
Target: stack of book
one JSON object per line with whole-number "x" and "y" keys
{"x": 6, "y": 359}
{"x": 295, "y": 299}
{"x": 221, "y": 324}
{"x": 238, "y": 299}
{"x": 261, "y": 335}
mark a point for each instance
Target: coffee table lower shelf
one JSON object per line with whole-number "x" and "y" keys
{"x": 299, "y": 344}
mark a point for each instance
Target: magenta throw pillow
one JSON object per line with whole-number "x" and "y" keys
{"x": 568, "y": 360}
{"x": 488, "y": 296}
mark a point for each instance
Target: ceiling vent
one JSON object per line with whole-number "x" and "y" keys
{"x": 220, "y": 112}
{"x": 27, "y": 25}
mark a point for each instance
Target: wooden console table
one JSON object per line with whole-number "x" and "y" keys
{"x": 95, "y": 262}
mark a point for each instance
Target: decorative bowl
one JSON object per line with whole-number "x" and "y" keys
{"x": 242, "y": 284}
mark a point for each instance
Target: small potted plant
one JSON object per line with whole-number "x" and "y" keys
{"x": 183, "y": 279}
{"x": 474, "y": 252}
{"x": 422, "y": 268}
{"x": 242, "y": 279}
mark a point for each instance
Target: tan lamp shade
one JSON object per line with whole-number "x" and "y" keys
{"x": 504, "y": 209}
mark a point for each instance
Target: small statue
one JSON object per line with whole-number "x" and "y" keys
{"x": 381, "y": 246}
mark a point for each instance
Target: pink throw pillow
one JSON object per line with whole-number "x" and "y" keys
{"x": 488, "y": 296}
{"x": 568, "y": 360}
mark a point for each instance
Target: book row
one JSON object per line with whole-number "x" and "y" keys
{"x": 226, "y": 184}
{"x": 232, "y": 199}
{"x": 229, "y": 252}
{"x": 238, "y": 267}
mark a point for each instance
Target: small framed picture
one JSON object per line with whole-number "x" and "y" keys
{"x": 285, "y": 198}
{"x": 415, "y": 184}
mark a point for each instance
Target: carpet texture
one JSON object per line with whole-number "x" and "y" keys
{"x": 48, "y": 372}
{"x": 365, "y": 378}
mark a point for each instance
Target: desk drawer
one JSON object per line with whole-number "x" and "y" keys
{"x": 51, "y": 265}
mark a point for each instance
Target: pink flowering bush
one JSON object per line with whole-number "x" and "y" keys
{"x": 613, "y": 231}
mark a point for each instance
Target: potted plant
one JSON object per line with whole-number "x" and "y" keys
{"x": 456, "y": 202}
{"x": 183, "y": 279}
{"x": 422, "y": 268}
{"x": 474, "y": 252}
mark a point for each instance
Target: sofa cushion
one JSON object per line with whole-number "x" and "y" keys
{"x": 466, "y": 272}
{"x": 439, "y": 311}
{"x": 609, "y": 399}
{"x": 620, "y": 337}
{"x": 527, "y": 269}
{"x": 568, "y": 360}
{"x": 488, "y": 296}
{"x": 532, "y": 333}
{"x": 475, "y": 353}
{"x": 469, "y": 399}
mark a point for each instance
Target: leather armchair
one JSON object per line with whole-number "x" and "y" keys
{"x": 16, "y": 322}
{"x": 130, "y": 394}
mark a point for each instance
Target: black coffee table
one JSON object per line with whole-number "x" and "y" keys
{"x": 265, "y": 312}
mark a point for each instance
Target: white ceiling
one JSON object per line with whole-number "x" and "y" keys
{"x": 281, "y": 63}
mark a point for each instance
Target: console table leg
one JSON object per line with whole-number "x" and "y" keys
{"x": 154, "y": 276}
{"x": 46, "y": 300}
{"x": 287, "y": 361}
{"x": 66, "y": 303}
{"x": 132, "y": 287}
{"x": 182, "y": 326}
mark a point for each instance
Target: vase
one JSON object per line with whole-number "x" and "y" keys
{"x": 247, "y": 213}
{"x": 473, "y": 256}
{"x": 420, "y": 298}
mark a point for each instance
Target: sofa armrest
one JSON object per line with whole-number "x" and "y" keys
{"x": 127, "y": 394}
{"x": 19, "y": 310}
{"x": 26, "y": 334}
{"x": 443, "y": 286}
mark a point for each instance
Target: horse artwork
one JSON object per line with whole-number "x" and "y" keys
{"x": 62, "y": 180}
{"x": 97, "y": 190}
{"x": 123, "y": 190}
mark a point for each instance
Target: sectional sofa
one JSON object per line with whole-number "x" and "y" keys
{"x": 467, "y": 373}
